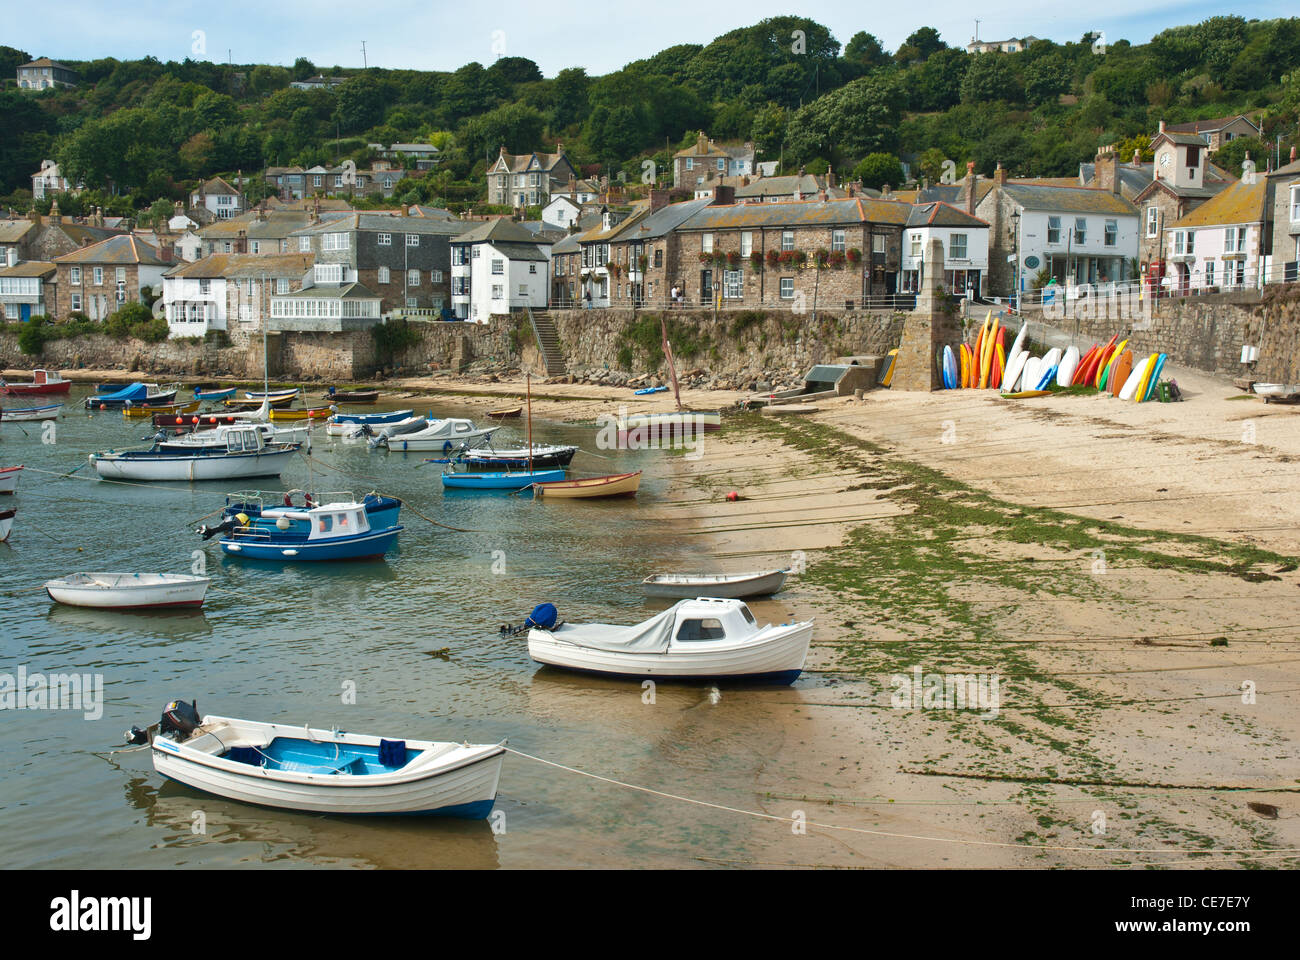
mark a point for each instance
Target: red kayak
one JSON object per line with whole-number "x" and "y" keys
{"x": 43, "y": 381}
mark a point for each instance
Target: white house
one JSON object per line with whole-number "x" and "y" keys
{"x": 561, "y": 212}
{"x": 330, "y": 300}
{"x": 219, "y": 197}
{"x": 226, "y": 291}
{"x": 194, "y": 297}
{"x": 1223, "y": 244}
{"x": 965, "y": 242}
{"x": 49, "y": 179}
{"x": 496, "y": 268}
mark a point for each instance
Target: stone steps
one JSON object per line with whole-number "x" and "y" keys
{"x": 548, "y": 342}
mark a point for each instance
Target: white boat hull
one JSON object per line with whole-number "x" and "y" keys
{"x": 183, "y": 467}
{"x": 776, "y": 654}
{"x": 118, "y": 591}
{"x": 6, "y": 524}
{"x": 735, "y": 586}
{"x": 460, "y": 782}
{"x": 448, "y": 442}
{"x": 9, "y": 479}
{"x": 30, "y": 414}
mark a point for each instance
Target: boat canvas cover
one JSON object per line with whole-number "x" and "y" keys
{"x": 650, "y": 636}
{"x": 136, "y": 391}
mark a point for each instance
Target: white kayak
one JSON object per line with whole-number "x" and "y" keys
{"x": 703, "y": 639}
{"x": 1069, "y": 364}
{"x": 128, "y": 591}
{"x": 327, "y": 771}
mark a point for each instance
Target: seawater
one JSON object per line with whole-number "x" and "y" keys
{"x": 290, "y": 642}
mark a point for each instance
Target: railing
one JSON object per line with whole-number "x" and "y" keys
{"x": 804, "y": 304}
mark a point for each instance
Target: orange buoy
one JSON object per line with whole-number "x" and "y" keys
{"x": 180, "y": 419}
{"x": 102, "y": 407}
{"x": 733, "y": 496}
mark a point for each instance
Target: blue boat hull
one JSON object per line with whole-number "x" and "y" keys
{"x": 361, "y": 546}
{"x": 500, "y": 481}
{"x": 215, "y": 394}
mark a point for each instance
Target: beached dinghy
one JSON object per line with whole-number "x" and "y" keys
{"x": 351, "y": 396}
{"x": 49, "y": 411}
{"x": 9, "y": 478}
{"x": 615, "y": 485}
{"x": 246, "y": 454}
{"x": 43, "y": 382}
{"x": 701, "y": 639}
{"x": 733, "y": 585}
{"x": 322, "y": 771}
{"x": 6, "y": 522}
{"x": 128, "y": 591}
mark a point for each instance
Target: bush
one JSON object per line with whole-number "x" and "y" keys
{"x": 31, "y": 338}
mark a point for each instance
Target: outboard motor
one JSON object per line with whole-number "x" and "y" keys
{"x": 179, "y": 718}
{"x": 544, "y": 617}
{"x": 238, "y": 520}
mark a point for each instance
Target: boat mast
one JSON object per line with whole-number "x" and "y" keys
{"x": 672, "y": 369}
{"x": 528, "y": 383}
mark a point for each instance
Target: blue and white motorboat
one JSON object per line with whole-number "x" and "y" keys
{"x": 343, "y": 424}
{"x": 295, "y": 767}
{"x": 201, "y": 394}
{"x": 381, "y": 511}
{"x": 339, "y": 530}
{"x": 513, "y": 480}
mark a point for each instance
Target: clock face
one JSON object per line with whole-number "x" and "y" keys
{"x": 1166, "y": 159}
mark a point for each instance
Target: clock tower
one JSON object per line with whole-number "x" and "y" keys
{"x": 1180, "y": 159}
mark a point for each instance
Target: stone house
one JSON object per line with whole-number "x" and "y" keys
{"x": 1182, "y": 178}
{"x": 405, "y": 260}
{"x": 1285, "y": 242}
{"x": 497, "y": 267}
{"x": 1219, "y": 131}
{"x": 103, "y": 277}
{"x": 35, "y": 237}
{"x": 262, "y": 231}
{"x": 45, "y": 74}
{"x": 527, "y": 179}
{"x": 223, "y": 291}
{"x": 733, "y": 255}
{"x": 50, "y": 179}
{"x": 646, "y": 250}
{"x": 1223, "y": 243}
{"x": 691, "y": 165}
{"x": 330, "y": 300}
{"x": 800, "y": 186}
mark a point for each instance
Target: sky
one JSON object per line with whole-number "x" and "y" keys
{"x": 440, "y": 35}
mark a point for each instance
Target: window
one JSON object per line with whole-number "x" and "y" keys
{"x": 121, "y": 292}
{"x": 733, "y": 284}
{"x": 498, "y": 267}
{"x": 837, "y": 240}
{"x": 722, "y": 164}
{"x": 694, "y": 630}
{"x": 120, "y": 275}
{"x": 76, "y": 302}
{"x": 412, "y": 239}
{"x": 532, "y": 268}
{"x": 99, "y": 276}
{"x": 385, "y": 239}
{"x": 878, "y": 243}
{"x": 659, "y": 257}
{"x": 335, "y": 241}
{"x": 304, "y": 244}
{"x": 410, "y": 303}
{"x": 957, "y": 246}
{"x": 74, "y": 276}
{"x": 787, "y": 288}
{"x": 435, "y": 276}
{"x": 787, "y": 239}
{"x": 1080, "y": 230}
{"x": 1295, "y": 203}
{"x": 1053, "y": 229}
{"x": 1209, "y": 273}
{"x": 916, "y": 244}
{"x": 328, "y": 273}
{"x": 205, "y": 287}
{"x": 498, "y": 291}
{"x": 1234, "y": 240}
{"x": 315, "y": 181}
{"x": 1112, "y": 232}
{"x": 384, "y": 276}
{"x": 388, "y": 183}
{"x": 475, "y": 254}
{"x": 706, "y": 242}
{"x": 523, "y": 289}
{"x": 746, "y": 243}
{"x": 690, "y": 163}
{"x": 1153, "y": 221}
{"x": 412, "y": 278}
{"x": 256, "y": 247}
{"x": 338, "y": 180}
{"x": 281, "y": 285}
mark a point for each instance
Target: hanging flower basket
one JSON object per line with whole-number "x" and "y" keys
{"x": 706, "y": 257}
{"x": 799, "y": 257}
{"x": 836, "y": 259}
{"x": 773, "y": 257}
{"x": 756, "y": 262}
{"x": 733, "y": 259}
{"x": 821, "y": 255}
{"x": 855, "y": 255}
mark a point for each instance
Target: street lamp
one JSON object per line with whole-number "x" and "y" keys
{"x": 1015, "y": 226}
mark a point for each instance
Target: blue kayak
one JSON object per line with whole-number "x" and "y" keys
{"x": 500, "y": 481}
{"x": 642, "y": 393}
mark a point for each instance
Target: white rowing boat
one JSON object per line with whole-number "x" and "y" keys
{"x": 128, "y": 591}
{"x": 6, "y": 522}
{"x": 49, "y": 411}
{"x": 326, "y": 771}
{"x": 733, "y": 585}
{"x": 9, "y": 478}
{"x": 702, "y": 639}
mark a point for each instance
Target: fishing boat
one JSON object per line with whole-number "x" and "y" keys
{"x": 615, "y": 485}
{"x": 145, "y": 411}
{"x": 316, "y": 413}
{"x": 322, "y": 771}
{"x": 49, "y": 411}
{"x": 214, "y": 395}
{"x": 315, "y": 532}
{"x": 9, "y": 479}
{"x": 351, "y": 396}
{"x": 707, "y": 638}
{"x": 137, "y": 394}
{"x": 246, "y": 454}
{"x": 735, "y": 586}
{"x": 217, "y": 436}
{"x": 444, "y": 435}
{"x": 486, "y": 458}
{"x": 42, "y": 382}
{"x": 509, "y": 480}
{"x": 345, "y": 424}
{"x": 128, "y": 591}
{"x": 511, "y": 414}
{"x": 381, "y": 511}
{"x": 7, "y": 522}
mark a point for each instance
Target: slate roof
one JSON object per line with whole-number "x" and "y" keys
{"x": 940, "y": 214}
{"x": 1208, "y": 126}
{"x": 342, "y": 291}
{"x": 29, "y": 268}
{"x": 122, "y": 249}
{"x": 808, "y": 185}
{"x": 798, "y": 213}
{"x": 665, "y": 220}
{"x": 11, "y": 231}
{"x": 519, "y": 163}
{"x": 233, "y": 266}
{"x": 1239, "y": 203}
{"x": 386, "y": 223}
{"x": 1068, "y": 199}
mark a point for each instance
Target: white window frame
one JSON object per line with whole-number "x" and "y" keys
{"x": 837, "y": 240}
{"x": 1054, "y": 230}
{"x": 953, "y": 246}
{"x": 1110, "y": 233}
{"x": 787, "y": 288}
{"x": 385, "y": 239}
{"x": 412, "y": 239}
{"x": 746, "y": 243}
{"x": 706, "y": 243}
{"x": 74, "y": 276}
{"x": 412, "y": 278}
{"x": 1153, "y": 221}
{"x": 99, "y": 276}
{"x": 384, "y": 275}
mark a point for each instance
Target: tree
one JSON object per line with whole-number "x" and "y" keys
{"x": 920, "y": 46}
{"x": 1046, "y": 78}
{"x": 931, "y": 164}
{"x": 1230, "y": 156}
{"x": 361, "y": 103}
{"x": 865, "y": 51}
{"x": 515, "y": 70}
{"x": 877, "y": 169}
{"x": 569, "y": 91}
{"x": 860, "y": 117}
{"x": 303, "y": 69}
{"x": 937, "y": 82}
{"x": 991, "y": 77}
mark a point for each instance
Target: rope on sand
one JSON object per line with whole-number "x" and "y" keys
{"x": 757, "y": 814}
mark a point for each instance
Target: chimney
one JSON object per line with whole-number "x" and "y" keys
{"x": 853, "y": 191}
{"x": 33, "y": 216}
{"x": 830, "y": 179}
{"x": 821, "y": 195}
{"x": 658, "y": 199}
{"x": 701, "y": 143}
{"x": 970, "y": 187}
{"x": 723, "y": 195}
{"x": 1162, "y": 126}
{"x": 406, "y": 211}
{"x": 573, "y": 188}
{"x": 559, "y": 149}
{"x": 55, "y": 216}
{"x": 1000, "y": 174}
{"x": 1292, "y": 155}
{"x": 1106, "y": 172}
